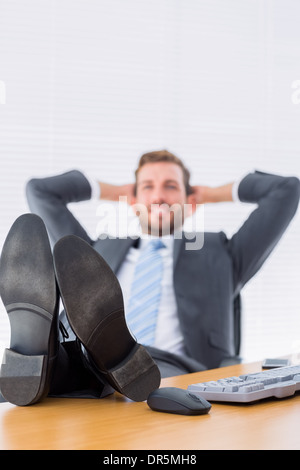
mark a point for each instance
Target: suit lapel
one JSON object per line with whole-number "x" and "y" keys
{"x": 178, "y": 242}
{"x": 114, "y": 250}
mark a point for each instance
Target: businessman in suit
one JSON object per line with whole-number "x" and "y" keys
{"x": 195, "y": 322}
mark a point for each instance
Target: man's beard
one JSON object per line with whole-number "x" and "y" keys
{"x": 163, "y": 220}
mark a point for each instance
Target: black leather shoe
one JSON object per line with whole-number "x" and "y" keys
{"x": 93, "y": 303}
{"x": 30, "y": 295}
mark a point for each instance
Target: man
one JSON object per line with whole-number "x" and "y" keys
{"x": 194, "y": 326}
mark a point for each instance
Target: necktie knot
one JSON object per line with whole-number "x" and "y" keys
{"x": 155, "y": 244}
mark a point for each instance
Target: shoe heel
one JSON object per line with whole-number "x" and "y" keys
{"x": 22, "y": 378}
{"x": 137, "y": 376}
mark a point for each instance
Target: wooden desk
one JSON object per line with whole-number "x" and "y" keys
{"x": 117, "y": 423}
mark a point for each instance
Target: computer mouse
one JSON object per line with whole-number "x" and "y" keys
{"x": 178, "y": 401}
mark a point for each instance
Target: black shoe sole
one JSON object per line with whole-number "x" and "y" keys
{"x": 93, "y": 302}
{"x": 29, "y": 293}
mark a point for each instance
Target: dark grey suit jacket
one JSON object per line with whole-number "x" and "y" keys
{"x": 206, "y": 281}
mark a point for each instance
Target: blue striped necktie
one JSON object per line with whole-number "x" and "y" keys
{"x": 145, "y": 293}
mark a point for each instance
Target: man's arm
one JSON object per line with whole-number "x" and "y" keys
{"x": 48, "y": 197}
{"x": 113, "y": 192}
{"x": 207, "y": 194}
{"x": 277, "y": 199}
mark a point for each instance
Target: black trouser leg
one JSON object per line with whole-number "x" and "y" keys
{"x": 71, "y": 377}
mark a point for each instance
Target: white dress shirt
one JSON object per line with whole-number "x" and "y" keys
{"x": 168, "y": 333}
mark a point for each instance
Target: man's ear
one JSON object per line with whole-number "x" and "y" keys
{"x": 132, "y": 200}
{"x": 132, "y": 204}
{"x": 192, "y": 204}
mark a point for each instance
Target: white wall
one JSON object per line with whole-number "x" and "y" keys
{"x": 93, "y": 84}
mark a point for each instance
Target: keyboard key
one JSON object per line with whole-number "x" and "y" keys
{"x": 214, "y": 388}
{"x": 231, "y": 388}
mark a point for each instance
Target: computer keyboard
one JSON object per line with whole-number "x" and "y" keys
{"x": 279, "y": 383}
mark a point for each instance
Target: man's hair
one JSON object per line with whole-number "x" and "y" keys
{"x": 165, "y": 156}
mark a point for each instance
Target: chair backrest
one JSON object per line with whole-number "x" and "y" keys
{"x": 237, "y": 321}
